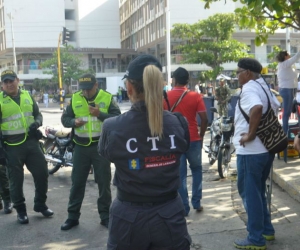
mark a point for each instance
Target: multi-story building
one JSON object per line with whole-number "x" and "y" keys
{"x": 143, "y": 28}
{"x": 29, "y": 32}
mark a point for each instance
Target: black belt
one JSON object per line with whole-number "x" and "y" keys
{"x": 145, "y": 204}
{"x": 138, "y": 199}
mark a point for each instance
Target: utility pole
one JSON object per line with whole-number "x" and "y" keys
{"x": 13, "y": 41}
{"x": 59, "y": 73}
{"x": 168, "y": 41}
{"x": 288, "y": 40}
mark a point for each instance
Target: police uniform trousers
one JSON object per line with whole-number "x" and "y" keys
{"x": 84, "y": 157}
{"x": 223, "y": 110}
{"x": 4, "y": 185}
{"x": 30, "y": 154}
{"x": 141, "y": 226}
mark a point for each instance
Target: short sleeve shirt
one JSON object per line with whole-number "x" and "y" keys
{"x": 251, "y": 96}
{"x": 191, "y": 104}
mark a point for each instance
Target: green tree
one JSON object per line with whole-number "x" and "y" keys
{"x": 266, "y": 16}
{"x": 42, "y": 84}
{"x": 72, "y": 62}
{"x": 210, "y": 42}
{"x": 272, "y": 58}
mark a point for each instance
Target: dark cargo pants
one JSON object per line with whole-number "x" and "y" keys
{"x": 30, "y": 154}
{"x": 148, "y": 226}
{"x": 84, "y": 157}
{"x": 4, "y": 185}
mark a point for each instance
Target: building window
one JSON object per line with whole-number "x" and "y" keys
{"x": 70, "y": 14}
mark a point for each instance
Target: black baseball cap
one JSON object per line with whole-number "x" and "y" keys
{"x": 87, "y": 81}
{"x": 8, "y": 75}
{"x": 181, "y": 74}
{"x": 136, "y": 67}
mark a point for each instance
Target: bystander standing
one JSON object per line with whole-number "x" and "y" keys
{"x": 253, "y": 159}
{"x": 189, "y": 104}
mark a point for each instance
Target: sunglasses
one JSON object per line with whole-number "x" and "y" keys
{"x": 240, "y": 71}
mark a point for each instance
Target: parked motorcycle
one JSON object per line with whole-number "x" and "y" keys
{"x": 55, "y": 98}
{"x": 49, "y": 137}
{"x": 58, "y": 149}
{"x": 220, "y": 148}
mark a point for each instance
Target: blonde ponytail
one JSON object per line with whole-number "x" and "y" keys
{"x": 153, "y": 91}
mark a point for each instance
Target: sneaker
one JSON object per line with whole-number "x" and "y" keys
{"x": 199, "y": 209}
{"x": 269, "y": 237}
{"x": 246, "y": 244}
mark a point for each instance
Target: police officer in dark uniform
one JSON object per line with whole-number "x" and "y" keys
{"x": 223, "y": 96}
{"x": 86, "y": 112}
{"x": 19, "y": 120}
{"x": 4, "y": 189}
{"x": 145, "y": 144}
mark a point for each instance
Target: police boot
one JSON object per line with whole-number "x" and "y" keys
{"x": 22, "y": 214}
{"x": 44, "y": 210}
{"x": 8, "y": 207}
{"x": 69, "y": 223}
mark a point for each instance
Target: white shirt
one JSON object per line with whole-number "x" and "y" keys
{"x": 46, "y": 97}
{"x": 251, "y": 96}
{"x": 287, "y": 74}
{"x": 298, "y": 93}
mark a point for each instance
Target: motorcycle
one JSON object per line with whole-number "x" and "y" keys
{"x": 58, "y": 149}
{"x": 220, "y": 148}
{"x": 55, "y": 98}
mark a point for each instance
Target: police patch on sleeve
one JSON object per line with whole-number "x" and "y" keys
{"x": 134, "y": 164}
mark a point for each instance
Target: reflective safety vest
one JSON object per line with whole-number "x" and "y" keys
{"x": 89, "y": 132}
{"x": 16, "y": 119}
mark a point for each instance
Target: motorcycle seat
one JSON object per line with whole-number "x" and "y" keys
{"x": 52, "y": 131}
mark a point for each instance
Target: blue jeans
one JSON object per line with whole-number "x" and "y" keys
{"x": 287, "y": 96}
{"x": 120, "y": 99}
{"x": 253, "y": 171}
{"x": 194, "y": 157}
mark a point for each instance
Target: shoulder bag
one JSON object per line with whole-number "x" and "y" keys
{"x": 269, "y": 130}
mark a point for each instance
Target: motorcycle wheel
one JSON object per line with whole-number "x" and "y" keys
{"x": 212, "y": 145}
{"x": 54, "y": 100}
{"x": 52, "y": 166}
{"x": 223, "y": 164}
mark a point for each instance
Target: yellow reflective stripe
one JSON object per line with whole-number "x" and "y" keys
{"x": 27, "y": 114}
{"x": 13, "y": 117}
{"x": 88, "y": 118}
{"x": 13, "y": 132}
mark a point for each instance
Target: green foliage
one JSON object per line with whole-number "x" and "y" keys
{"x": 72, "y": 61}
{"x": 266, "y": 16}
{"x": 42, "y": 84}
{"x": 272, "y": 57}
{"x": 210, "y": 42}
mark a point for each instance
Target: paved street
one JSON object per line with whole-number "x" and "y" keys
{"x": 221, "y": 222}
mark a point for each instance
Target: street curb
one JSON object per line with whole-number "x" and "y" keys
{"x": 288, "y": 186}
{"x": 51, "y": 111}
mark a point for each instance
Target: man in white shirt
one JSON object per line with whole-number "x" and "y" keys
{"x": 253, "y": 159}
